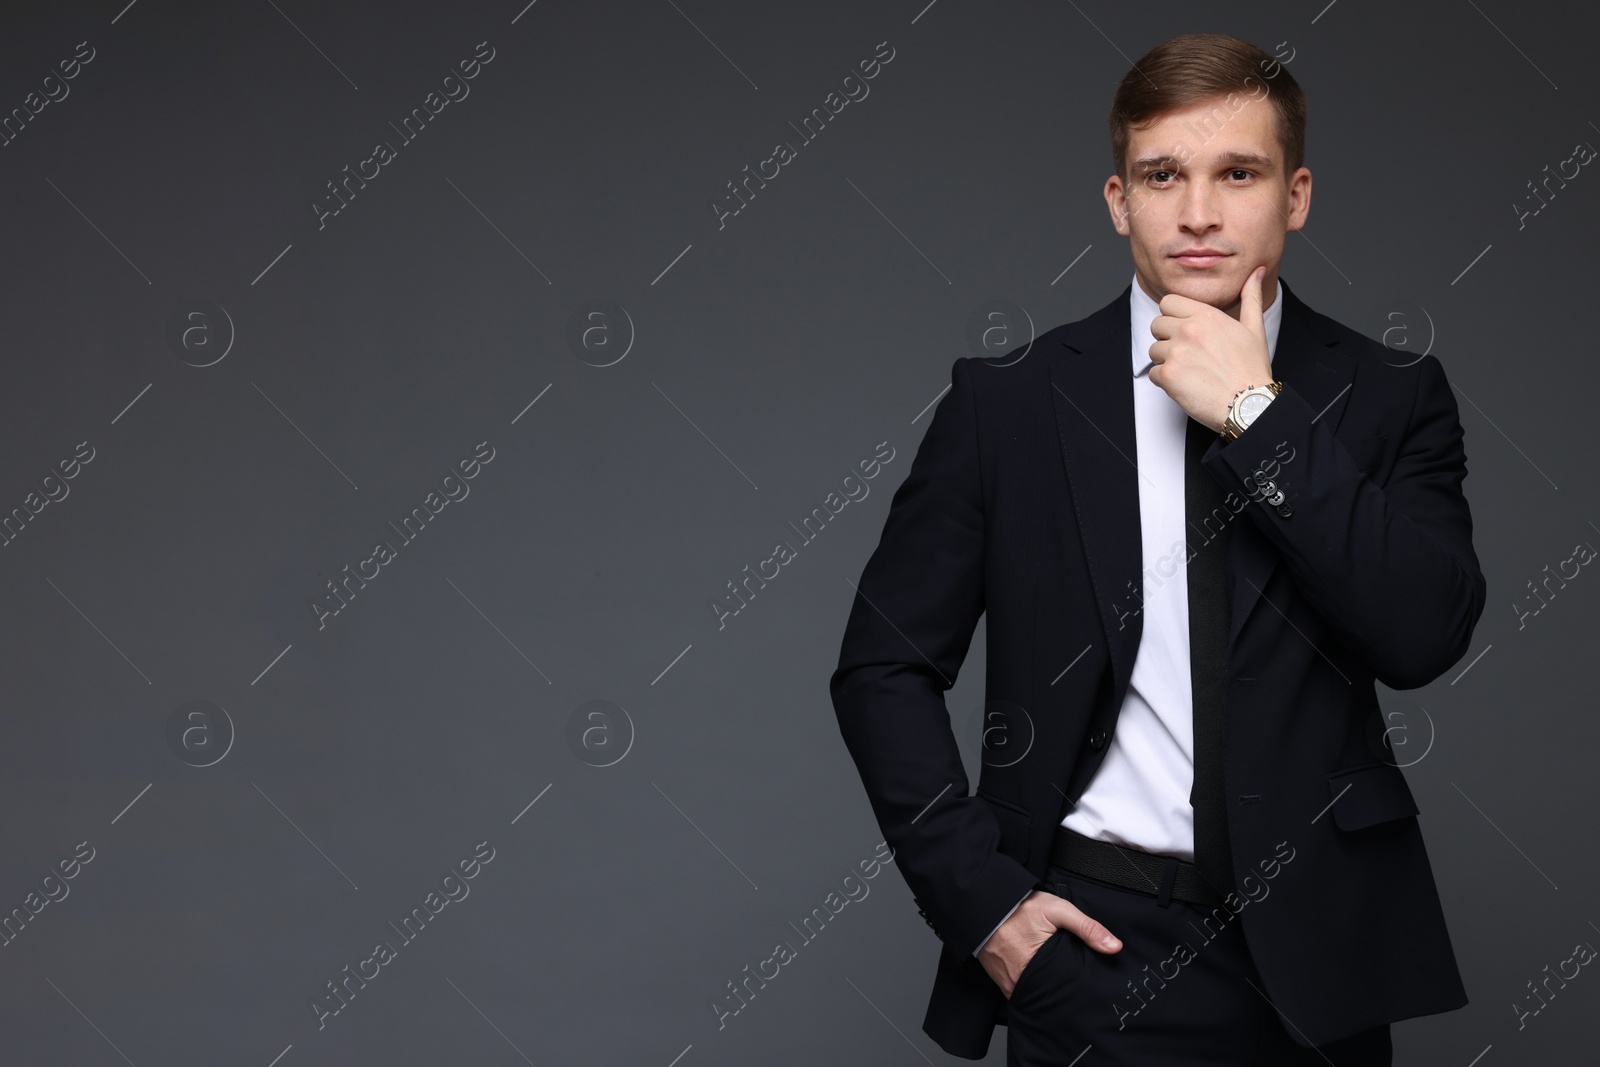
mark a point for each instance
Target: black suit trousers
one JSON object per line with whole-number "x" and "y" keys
{"x": 1181, "y": 991}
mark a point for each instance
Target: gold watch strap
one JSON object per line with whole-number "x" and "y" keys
{"x": 1230, "y": 426}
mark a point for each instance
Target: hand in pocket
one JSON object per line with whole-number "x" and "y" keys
{"x": 1012, "y": 947}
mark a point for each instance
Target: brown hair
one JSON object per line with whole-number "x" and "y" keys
{"x": 1185, "y": 70}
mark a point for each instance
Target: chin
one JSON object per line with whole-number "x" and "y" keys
{"x": 1217, "y": 290}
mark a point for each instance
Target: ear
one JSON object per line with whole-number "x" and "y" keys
{"x": 1117, "y": 205}
{"x": 1299, "y": 199}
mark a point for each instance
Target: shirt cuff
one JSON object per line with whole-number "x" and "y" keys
{"x": 1002, "y": 922}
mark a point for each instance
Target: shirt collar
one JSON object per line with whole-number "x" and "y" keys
{"x": 1143, "y": 311}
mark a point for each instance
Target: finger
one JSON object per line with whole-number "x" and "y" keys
{"x": 1090, "y": 930}
{"x": 1180, "y": 306}
{"x": 1250, "y": 313}
{"x": 1163, "y": 326}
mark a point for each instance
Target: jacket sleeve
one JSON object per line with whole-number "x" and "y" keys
{"x": 1389, "y": 569}
{"x": 911, "y": 623}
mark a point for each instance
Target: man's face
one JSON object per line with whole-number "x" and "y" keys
{"x": 1209, "y": 176}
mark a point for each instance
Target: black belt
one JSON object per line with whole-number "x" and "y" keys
{"x": 1163, "y": 877}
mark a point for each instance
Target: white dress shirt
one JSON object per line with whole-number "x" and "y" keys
{"x": 1139, "y": 795}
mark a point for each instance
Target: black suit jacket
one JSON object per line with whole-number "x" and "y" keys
{"x": 1023, "y": 503}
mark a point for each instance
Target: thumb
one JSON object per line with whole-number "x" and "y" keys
{"x": 1250, "y": 314}
{"x": 1089, "y": 930}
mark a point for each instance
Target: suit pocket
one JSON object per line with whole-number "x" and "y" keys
{"x": 1014, "y": 826}
{"x": 1370, "y": 794}
{"x": 1036, "y": 962}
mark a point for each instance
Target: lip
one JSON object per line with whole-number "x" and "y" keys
{"x": 1201, "y": 257}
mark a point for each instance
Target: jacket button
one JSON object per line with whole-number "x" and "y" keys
{"x": 1098, "y": 740}
{"x": 1285, "y": 510}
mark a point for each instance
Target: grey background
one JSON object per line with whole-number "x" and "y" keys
{"x": 773, "y": 355}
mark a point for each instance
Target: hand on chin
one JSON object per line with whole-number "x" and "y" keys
{"x": 1215, "y": 289}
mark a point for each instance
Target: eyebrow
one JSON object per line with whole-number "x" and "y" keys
{"x": 1146, "y": 164}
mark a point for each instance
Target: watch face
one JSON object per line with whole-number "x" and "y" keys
{"x": 1251, "y": 406}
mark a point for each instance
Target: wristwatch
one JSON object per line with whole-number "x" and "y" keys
{"x": 1248, "y": 403}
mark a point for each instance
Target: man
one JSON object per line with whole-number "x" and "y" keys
{"x": 1202, "y": 522}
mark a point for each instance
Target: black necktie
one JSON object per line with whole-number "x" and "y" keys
{"x": 1209, "y": 532}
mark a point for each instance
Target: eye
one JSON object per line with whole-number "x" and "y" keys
{"x": 1155, "y": 175}
{"x": 1240, "y": 170}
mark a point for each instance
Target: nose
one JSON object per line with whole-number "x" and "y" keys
{"x": 1201, "y": 211}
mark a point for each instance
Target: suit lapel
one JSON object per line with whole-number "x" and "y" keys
{"x": 1092, "y": 394}
{"x": 1091, "y": 387}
